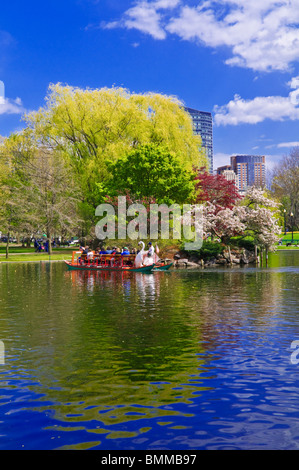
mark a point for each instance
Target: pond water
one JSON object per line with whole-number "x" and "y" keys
{"x": 172, "y": 360}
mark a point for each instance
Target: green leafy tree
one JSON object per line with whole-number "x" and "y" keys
{"x": 285, "y": 185}
{"x": 12, "y": 219}
{"x": 38, "y": 193}
{"x": 151, "y": 170}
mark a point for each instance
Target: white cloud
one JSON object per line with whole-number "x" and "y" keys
{"x": 166, "y": 3}
{"x": 275, "y": 108}
{"x": 221, "y": 159}
{"x": 261, "y": 34}
{"x": 8, "y": 106}
{"x": 288, "y": 144}
{"x": 146, "y": 17}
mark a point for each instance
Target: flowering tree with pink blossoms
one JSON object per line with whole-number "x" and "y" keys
{"x": 223, "y": 223}
{"x": 254, "y": 215}
{"x": 262, "y": 218}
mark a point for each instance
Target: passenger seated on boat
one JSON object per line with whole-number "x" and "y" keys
{"x": 125, "y": 251}
{"x": 83, "y": 258}
{"x": 112, "y": 259}
{"x": 90, "y": 256}
{"x": 150, "y": 250}
{"x": 108, "y": 250}
{"x": 148, "y": 256}
{"x": 85, "y": 250}
{"x": 115, "y": 258}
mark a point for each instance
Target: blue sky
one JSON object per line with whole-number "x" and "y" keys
{"x": 237, "y": 59}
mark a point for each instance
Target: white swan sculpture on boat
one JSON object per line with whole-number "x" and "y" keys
{"x": 140, "y": 256}
{"x": 142, "y": 259}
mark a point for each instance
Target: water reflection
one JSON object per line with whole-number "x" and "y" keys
{"x": 146, "y": 285}
{"x": 127, "y": 357}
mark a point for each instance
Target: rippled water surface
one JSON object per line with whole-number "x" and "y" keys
{"x": 176, "y": 360}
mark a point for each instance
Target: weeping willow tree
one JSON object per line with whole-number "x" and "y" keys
{"x": 91, "y": 127}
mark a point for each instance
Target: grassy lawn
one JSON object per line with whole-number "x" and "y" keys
{"x": 287, "y": 238}
{"x": 13, "y": 248}
{"x": 19, "y": 253}
{"x": 36, "y": 257}
{"x": 283, "y": 247}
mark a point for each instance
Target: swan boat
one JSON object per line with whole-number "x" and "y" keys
{"x": 113, "y": 262}
{"x": 117, "y": 262}
{"x": 142, "y": 259}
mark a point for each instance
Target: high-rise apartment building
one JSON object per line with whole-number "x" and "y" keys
{"x": 203, "y": 126}
{"x": 250, "y": 169}
{"x": 230, "y": 175}
{"x": 223, "y": 168}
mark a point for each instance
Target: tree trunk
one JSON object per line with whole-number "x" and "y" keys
{"x": 49, "y": 238}
{"x": 256, "y": 255}
{"x": 7, "y": 245}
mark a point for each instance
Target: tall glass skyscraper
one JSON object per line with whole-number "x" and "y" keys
{"x": 203, "y": 126}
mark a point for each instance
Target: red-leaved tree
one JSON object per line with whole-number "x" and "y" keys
{"x": 215, "y": 189}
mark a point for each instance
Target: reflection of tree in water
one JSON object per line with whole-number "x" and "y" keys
{"x": 100, "y": 340}
{"x": 123, "y": 344}
{"x": 141, "y": 326}
{"x": 145, "y": 285}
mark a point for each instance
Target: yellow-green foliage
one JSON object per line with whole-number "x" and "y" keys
{"x": 104, "y": 123}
